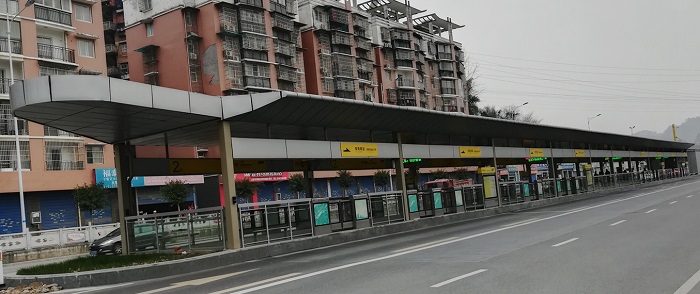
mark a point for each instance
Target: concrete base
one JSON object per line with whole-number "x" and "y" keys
{"x": 36, "y": 254}
{"x": 227, "y": 258}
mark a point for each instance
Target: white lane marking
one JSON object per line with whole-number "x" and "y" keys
{"x": 689, "y": 196}
{"x": 689, "y": 284}
{"x": 349, "y": 265}
{"x": 423, "y": 245}
{"x": 565, "y": 242}
{"x": 93, "y": 289}
{"x": 520, "y": 222}
{"x": 650, "y": 211}
{"x": 673, "y": 202}
{"x": 458, "y": 278}
{"x": 617, "y": 223}
{"x": 197, "y": 282}
{"x": 256, "y": 283}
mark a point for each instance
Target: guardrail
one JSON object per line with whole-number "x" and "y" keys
{"x": 54, "y": 238}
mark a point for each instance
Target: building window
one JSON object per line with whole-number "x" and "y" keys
{"x": 252, "y": 21}
{"x": 54, "y": 132}
{"x": 95, "y": 154}
{"x": 257, "y": 70}
{"x": 149, "y": 29}
{"x": 63, "y": 156}
{"x": 8, "y": 156}
{"x": 145, "y": 5}
{"x": 122, "y": 48}
{"x": 58, "y": 4}
{"x": 7, "y": 121}
{"x": 83, "y": 12}
{"x": 86, "y": 48}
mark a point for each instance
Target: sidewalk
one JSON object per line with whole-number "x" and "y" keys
{"x": 12, "y": 268}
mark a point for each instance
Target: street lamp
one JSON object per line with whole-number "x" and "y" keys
{"x": 514, "y": 113}
{"x": 12, "y": 81}
{"x": 632, "y": 130}
{"x": 590, "y": 118}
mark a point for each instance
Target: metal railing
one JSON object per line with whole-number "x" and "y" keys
{"x": 267, "y": 222}
{"x": 52, "y": 15}
{"x": 56, "y": 53}
{"x": 198, "y": 229}
{"x": 386, "y": 208}
{"x": 54, "y": 238}
{"x": 15, "y": 44}
{"x": 53, "y": 165}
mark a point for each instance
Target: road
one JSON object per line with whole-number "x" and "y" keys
{"x": 644, "y": 241}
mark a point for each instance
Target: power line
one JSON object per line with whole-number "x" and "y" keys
{"x": 585, "y": 65}
{"x": 605, "y": 73}
{"x": 596, "y": 81}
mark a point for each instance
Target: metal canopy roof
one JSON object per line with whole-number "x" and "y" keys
{"x": 439, "y": 25}
{"x": 113, "y": 111}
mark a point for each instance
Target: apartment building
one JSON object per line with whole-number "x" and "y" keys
{"x": 382, "y": 51}
{"x": 115, "y": 39}
{"x": 50, "y": 37}
{"x": 215, "y": 47}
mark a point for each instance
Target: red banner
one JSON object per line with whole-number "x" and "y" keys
{"x": 264, "y": 177}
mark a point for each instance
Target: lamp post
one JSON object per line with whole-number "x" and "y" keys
{"x": 590, "y": 118}
{"x": 12, "y": 81}
{"x": 632, "y": 130}
{"x": 514, "y": 113}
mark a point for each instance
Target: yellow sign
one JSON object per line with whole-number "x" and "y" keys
{"x": 249, "y": 166}
{"x": 195, "y": 166}
{"x": 300, "y": 164}
{"x": 579, "y": 153}
{"x": 536, "y": 152}
{"x": 659, "y": 154}
{"x": 359, "y": 150}
{"x": 469, "y": 151}
{"x": 357, "y": 163}
{"x": 643, "y": 154}
{"x": 490, "y": 187}
{"x": 487, "y": 170}
{"x": 587, "y": 166}
{"x": 684, "y": 154}
{"x": 673, "y": 154}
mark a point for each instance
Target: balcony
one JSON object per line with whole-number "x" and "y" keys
{"x": 56, "y": 53}
{"x": 400, "y": 35}
{"x": 255, "y": 3}
{"x": 285, "y": 48}
{"x": 289, "y": 8}
{"x": 52, "y": 15}
{"x": 405, "y": 83}
{"x": 444, "y": 56}
{"x": 363, "y": 44}
{"x": 447, "y": 74}
{"x": 16, "y": 45}
{"x": 5, "y": 85}
{"x": 287, "y": 74}
{"x": 340, "y": 39}
{"x": 114, "y": 71}
{"x": 258, "y": 82}
{"x": 448, "y": 91}
{"x": 407, "y": 102}
{"x": 282, "y": 22}
{"x": 109, "y": 25}
{"x": 64, "y": 165}
{"x": 111, "y": 49}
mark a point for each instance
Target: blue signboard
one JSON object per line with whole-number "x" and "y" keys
{"x": 108, "y": 177}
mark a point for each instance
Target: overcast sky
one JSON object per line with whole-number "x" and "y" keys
{"x": 635, "y": 61}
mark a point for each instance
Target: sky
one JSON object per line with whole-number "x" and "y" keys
{"x": 637, "y": 62}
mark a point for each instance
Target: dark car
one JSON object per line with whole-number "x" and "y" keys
{"x": 145, "y": 237}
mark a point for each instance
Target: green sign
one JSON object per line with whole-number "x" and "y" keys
{"x": 412, "y": 203}
{"x": 617, "y": 158}
{"x": 437, "y": 200}
{"x": 321, "y": 214}
{"x": 526, "y": 190}
{"x": 412, "y": 160}
{"x": 536, "y": 159}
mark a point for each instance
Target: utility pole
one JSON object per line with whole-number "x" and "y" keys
{"x": 675, "y": 138}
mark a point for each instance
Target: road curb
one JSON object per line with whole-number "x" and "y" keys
{"x": 230, "y": 257}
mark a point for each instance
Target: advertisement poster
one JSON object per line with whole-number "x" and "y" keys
{"x": 321, "y": 214}
{"x": 361, "y": 209}
{"x": 489, "y": 187}
{"x": 412, "y": 203}
{"x": 437, "y": 200}
{"x": 458, "y": 198}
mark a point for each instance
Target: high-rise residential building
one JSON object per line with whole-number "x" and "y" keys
{"x": 115, "y": 39}
{"x": 215, "y": 47}
{"x": 50, "y": 37}
{"x": 382, "y": 51}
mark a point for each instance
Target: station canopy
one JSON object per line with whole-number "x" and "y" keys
{"x": 116, "y": 111}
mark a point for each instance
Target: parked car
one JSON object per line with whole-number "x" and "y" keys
{"x": 145, "y": 237}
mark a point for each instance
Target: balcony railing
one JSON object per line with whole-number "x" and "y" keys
{"x": 444, "y": 55}
{"x": 405, "y": 83}
{"x": 114, "y": 71}
{"x": 65, "y": 165}
{"x": 16, "y": 45}
{"x": 448, "y": 91}
{"x": 108, "y": 25}
{"x": 52, "y": 15}
{"x": 56, "y": 53}
{"x": 110, "y": 48}
{"x": 256, "y": 3}
{"x": 259, "y": 82}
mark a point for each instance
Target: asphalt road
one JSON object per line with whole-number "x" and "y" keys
{"x": 644, "y": 241}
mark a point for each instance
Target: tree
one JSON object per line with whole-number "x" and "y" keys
{"x": 490, "y": 111}
{"x": 297, "y": 184}
{"x": 246, "y": 188}
{"x": 510, "y": 112}
{"x": 440, "y": 174}
{"x": 381, "y": 178}
{"x": 461, "y": 174}
{"x": 175, "y": 192}
{"x": 90, "y": 198}
{"x": 472, "y": 96}
{"x": 344, "y": 180}
{"x": 411, "y": 176}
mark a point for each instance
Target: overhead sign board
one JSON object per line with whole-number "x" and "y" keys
{"x": 194, "y": 166}
{"x": 643, "y": 154}
{"x": 108, "y": 178}
{"x": 263, "y": 177}
{"x": 250, "y": 166}
{"x": 487, "y": 170}
{"x": 469, "y": 151}
{"x": 536, "y": 152}
{"x": 579, "y": 153}
{"x": 359, "y": 150}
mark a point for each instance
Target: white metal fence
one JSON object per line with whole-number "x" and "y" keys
{"x": 54, "y": 238}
